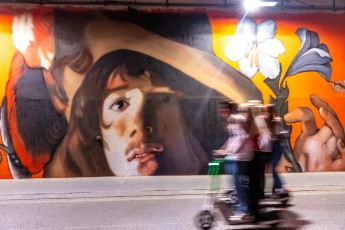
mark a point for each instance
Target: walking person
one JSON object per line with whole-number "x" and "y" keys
{"x": 260, "y": 136}
{"x": 275, "y": 149}
{"x": 225, "y": 109}
{"x": 264, "y": 144}
{"x": 239, "y": 149}
{"x": 242, "y": 151}
{"x": 279, "y": 135}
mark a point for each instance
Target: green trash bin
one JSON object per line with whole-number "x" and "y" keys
{"x": 215, "y": 168}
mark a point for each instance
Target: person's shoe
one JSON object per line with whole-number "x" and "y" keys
{"x": 241, "y": 218}
{"x": 280, "y": 191}
{"x": 280, "y": 194}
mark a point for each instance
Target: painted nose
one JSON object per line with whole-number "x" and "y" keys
{"x": 143, "y": 133}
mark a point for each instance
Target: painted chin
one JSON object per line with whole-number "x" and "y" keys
{"x": 147, "y": 165}
{"x": 145, "y": 158}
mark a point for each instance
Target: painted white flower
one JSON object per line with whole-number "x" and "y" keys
{"x": 256, "y": 49}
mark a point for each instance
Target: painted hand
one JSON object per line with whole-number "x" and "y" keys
{"x": 318, "y": 149}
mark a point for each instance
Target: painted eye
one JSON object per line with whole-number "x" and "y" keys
{"x": 119, "y": 105}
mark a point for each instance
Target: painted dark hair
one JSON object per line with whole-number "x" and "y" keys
{"x": 70, "y": 46}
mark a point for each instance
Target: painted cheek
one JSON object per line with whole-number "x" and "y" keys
{"x": 115, "y": 120}
{"x": 106, "y": 114}
{"x": 120, "y": 126}
{"x": 109, "y": 116}
{"x": 137, "y": 98}
{"x": 118, "y": 121}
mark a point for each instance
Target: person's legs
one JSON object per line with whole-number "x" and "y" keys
{"x": 254, "y": 185}
{"x": 263, "y": 160}
{"x": 230, "y": 167}
{"x": 276, "y": 155}
{"x": 242, "y": 185}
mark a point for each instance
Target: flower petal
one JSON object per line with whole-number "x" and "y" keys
{"x": 318, "y": 51}
{"x": 309, "y": 39}
{"x": 269, "y": 66}
{"x": 324, "y": 70}
{"x": 236, "y": 49}
{"x": 323, "y": 47}
{"x": 302, "y": 35}
{"x": 272, "y": 47}
{"x": 314, "y": 39}
{"x": 246, "y": 29}
{"x": 266, "y": 30}
{"x": 311, "y": 58}
{"x": 246, "y": 68}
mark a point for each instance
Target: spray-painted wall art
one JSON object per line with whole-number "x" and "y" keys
{"x": 89, "y": 92}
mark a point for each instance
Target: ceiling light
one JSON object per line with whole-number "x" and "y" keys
{"x": 253, "y": 4}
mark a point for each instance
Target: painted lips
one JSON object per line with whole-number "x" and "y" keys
{"x": 146, "y": 152}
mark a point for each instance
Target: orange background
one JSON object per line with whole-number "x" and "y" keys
{"x": 6, "y": 53}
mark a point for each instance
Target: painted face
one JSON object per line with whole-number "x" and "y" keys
{"x": 123, "y": 131}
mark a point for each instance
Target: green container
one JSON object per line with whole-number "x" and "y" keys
{"x": 216, "y": 167}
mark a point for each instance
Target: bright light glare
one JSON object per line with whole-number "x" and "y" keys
{"x": 268, "y": 3}
{"x": 253, "y": 4}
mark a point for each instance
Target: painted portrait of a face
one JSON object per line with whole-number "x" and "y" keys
{"x": 124, "y": 134}
{"x": 149, "y": 98}
{"x": 138, "y": 117}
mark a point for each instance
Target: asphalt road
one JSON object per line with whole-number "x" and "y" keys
{"x": 152, "y": 203}
{"x": 310, "y": 210}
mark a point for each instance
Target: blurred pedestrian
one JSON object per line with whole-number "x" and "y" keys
{"x": 264, "y": 144}
{"x": 279, "y": 137}
{"x": 225, "y": 109}
{"x": 239, "y": 150}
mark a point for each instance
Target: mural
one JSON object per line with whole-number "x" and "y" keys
{"x": 300, "y": 77}
{"x": 256, "y": 49}
{"x": 116, "y": 93}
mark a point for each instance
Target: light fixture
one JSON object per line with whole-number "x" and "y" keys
{"x": 253, "y": 4}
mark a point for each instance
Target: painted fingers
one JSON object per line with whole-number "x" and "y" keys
{"x": 306, "y": 117}
{"x": 329, "y": 116}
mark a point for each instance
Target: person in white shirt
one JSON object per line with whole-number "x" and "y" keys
{"x": 240, "y": 149}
